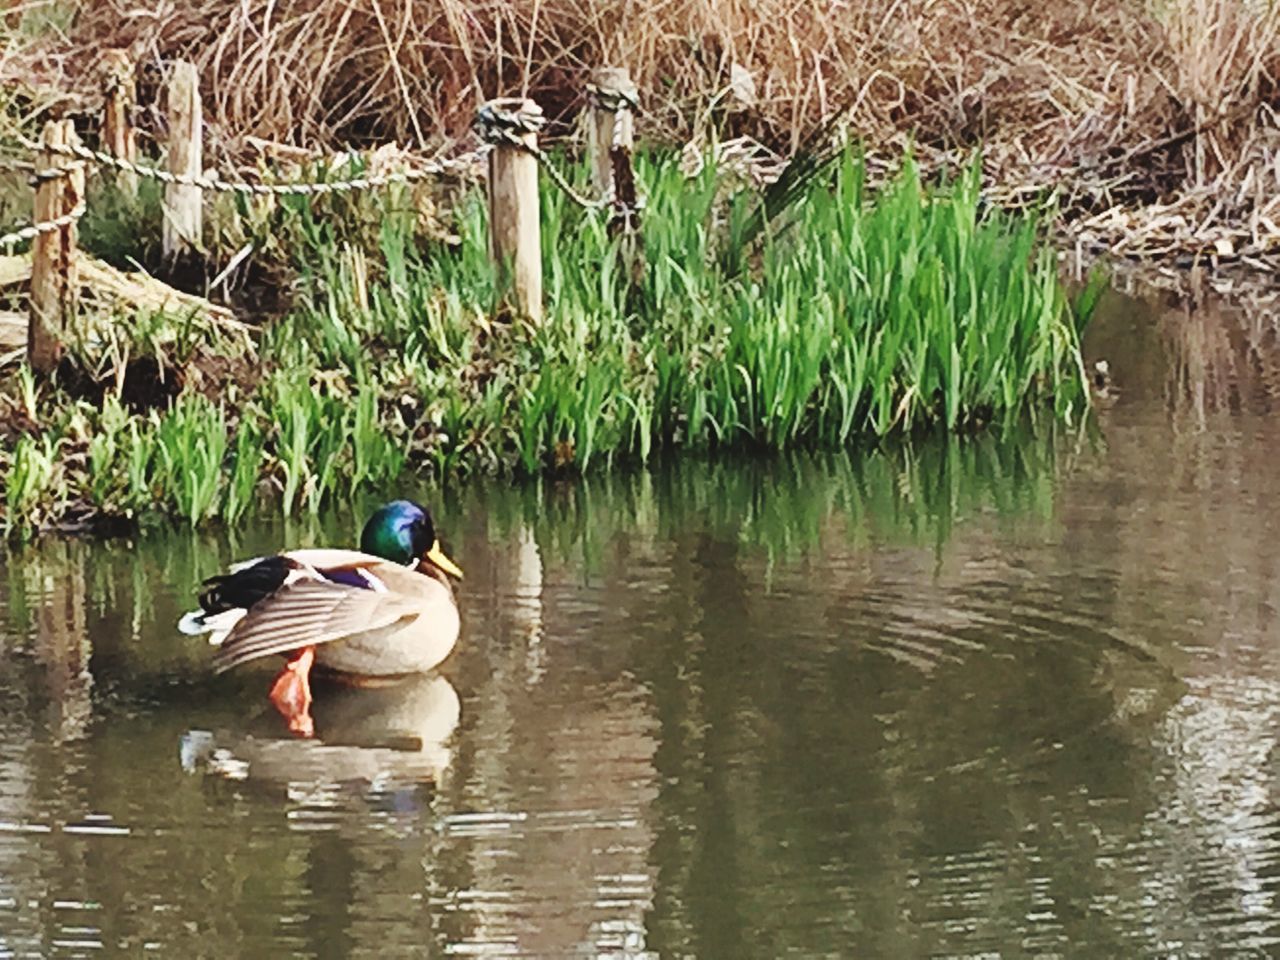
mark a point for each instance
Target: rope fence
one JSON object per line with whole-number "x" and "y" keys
{"x": 495, "y": 126}
{"x": 429, "y": 170}
{"x": 518, "y": 128}
{"x": 508, "y": 129}
{"x": 432, "y": 170}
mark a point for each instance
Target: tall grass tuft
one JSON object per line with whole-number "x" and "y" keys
{"x": 853, "y": 316}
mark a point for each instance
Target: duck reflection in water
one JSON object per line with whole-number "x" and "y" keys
{"x": 395, "y": 734}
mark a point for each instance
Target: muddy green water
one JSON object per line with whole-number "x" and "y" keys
{"x": 1013, "y": 697}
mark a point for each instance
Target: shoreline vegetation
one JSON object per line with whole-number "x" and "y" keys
{"x": 857, "y": 315}
{"x": 906, "y": 285}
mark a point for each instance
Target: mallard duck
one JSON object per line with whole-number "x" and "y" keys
{"x": 385, "y": 610}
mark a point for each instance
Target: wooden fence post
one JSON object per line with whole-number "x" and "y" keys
{"x": 118, "y": 138}
{"x": 610, "y": 85}
{"x": 515, "y": 241}
{"x": 182, "y": 203}
{"x": 55, "y": 285}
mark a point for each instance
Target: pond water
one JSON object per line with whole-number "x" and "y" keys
{"x": 1003, "y": 697}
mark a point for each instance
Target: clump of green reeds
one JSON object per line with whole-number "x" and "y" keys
{"x": 199, "y": 459}
{"x": 858, "y": 315}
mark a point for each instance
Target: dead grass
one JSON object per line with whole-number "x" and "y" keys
{"x": 303, "y": 71}
{"x": 1123, "y": 103}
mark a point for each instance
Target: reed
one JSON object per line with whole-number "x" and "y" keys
{"x": 31, "y": 489}
{"x": 304, "y": 70}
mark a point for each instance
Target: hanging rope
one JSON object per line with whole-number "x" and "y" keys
{"x": 430, "y": 169}
{"x": 14, "y": 165}
{"x": 499, "y": 126}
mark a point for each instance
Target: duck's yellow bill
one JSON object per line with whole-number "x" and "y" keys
{"x": 436, "y": 556}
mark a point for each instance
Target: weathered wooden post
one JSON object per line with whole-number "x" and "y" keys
{"x": 118, "y": 138}
{"x": 611, "y": 138}
{"x": 182, "y": 202}
{"x": 515, "y": 241}
{"x": 54, "y": 282}
{"x": 613, "y": 97}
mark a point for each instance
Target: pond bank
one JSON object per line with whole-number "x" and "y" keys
{"x": 857, "y": 315}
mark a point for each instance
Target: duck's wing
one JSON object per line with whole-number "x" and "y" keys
{"x": 327, "y": 602}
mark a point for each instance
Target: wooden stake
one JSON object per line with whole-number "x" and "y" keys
{"x": 54, "y": 282}
{"x": 603, "y": 120}
{"x": 182, "y": 204}
{"x": 118, "y": 136}
{"x": 515, "y": 242}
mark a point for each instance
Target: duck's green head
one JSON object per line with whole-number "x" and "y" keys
{"x": 402, "y": 532}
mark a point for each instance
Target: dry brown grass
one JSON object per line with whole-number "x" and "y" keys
{"x": 953, "y": 71}
{"x": 1125, "y": 102}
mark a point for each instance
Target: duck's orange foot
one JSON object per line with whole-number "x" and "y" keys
{"x": 291, "y": 692}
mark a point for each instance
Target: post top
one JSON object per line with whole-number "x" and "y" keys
{"x": 612, "y": 88}
{"x": 513, "y": 105}
{"x": 498, "y": 121}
